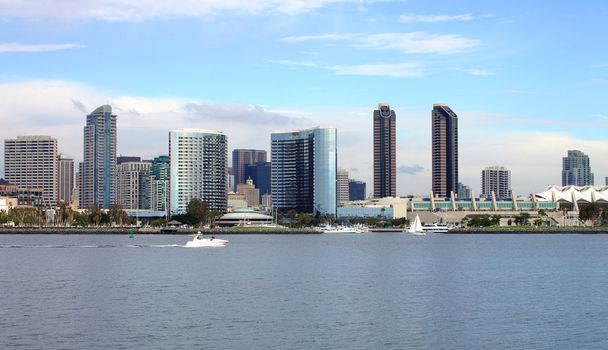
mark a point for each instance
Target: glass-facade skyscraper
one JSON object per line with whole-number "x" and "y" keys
{"x": 98, "y": 167}
{"x": 241, "y": 158}
{"x": 445, "y": 151}
{"x": 385, "y": 166}
{"x": 576, "y": 169}
{"x": 198, "y": 168}
{"x": 260, "y": 174}
{"x": 159, "y": 184}
{"x": 356, "y": 190}
{"x": 304, "y": 165}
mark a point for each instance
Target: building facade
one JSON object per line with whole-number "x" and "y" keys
{"x": 98, "y": 167}
{"x": 356, "y": 190}
{"x": 260, "y": 174}
{"x": 342, "y": 194}
{"x": 159, "y": 184}
{"x": 133, "y": 184}
{"x": 65, "y": 179}
{"x": 198, "y": 168}
{"x": 30, "y": 162}
{"x": 303, "y": 170}
{"x": 576, "y": 169}
{"x": 252, "y": 194}
{"x": 464, "y": 191}
{"x": 243, "y": 157}
{"x": 445, "y": 151}
{"x": 496, "y": 180}
{"x": 385, "y": 160}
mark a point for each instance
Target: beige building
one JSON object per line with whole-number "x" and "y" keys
{"x": 252, "y": 194}
{"x": 31, "y": 162}
{"x": 342, "y": 186}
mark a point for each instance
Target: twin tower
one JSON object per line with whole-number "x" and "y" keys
{"x": 444, "y": 148}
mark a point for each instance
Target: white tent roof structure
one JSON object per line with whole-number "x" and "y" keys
{"x": 571, "y": 194}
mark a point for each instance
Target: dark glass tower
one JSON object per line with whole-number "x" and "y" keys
{"x": 385, "y": 167}
{"x": 445, "y": 151}
{"x": 243, "y": 157}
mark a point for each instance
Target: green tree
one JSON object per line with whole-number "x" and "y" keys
{"x": 118, "y": 216}
{"x": 538, "y": 222}
{"x": 159, "y": 223}
{"x": 199, "y": 210}
{"x": 95, "y": 214}
{"x": 522, "y": 219}
{"x": 81, "y": 220}
{"x": 4, "y": 217}
{"x": 590, "y": 212}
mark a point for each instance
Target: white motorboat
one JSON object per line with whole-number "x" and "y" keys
{"x": 436, "y": 228}
{"x": 343, "y": 229}
{"x": 416, "y": 227}
{"x": 200, "y": 242}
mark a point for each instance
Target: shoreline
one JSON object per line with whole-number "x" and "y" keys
{"x": 233, "y": 231}
{"x": 127, "y": 230}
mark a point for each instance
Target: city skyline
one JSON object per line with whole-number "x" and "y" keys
{"x": 330, "y": 63}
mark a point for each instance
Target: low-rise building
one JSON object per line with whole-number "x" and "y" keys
{"x": 386, "y": 208}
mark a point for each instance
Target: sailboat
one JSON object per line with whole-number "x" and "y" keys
{"x": 416, "y": 227}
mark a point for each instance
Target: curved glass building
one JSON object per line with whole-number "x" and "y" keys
{"x": 303, "y": 170}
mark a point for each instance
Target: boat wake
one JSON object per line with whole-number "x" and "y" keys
{"x": 100, "y": 246}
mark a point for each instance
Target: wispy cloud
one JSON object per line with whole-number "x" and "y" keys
{"x": 394, "y": 70}
{"x": 15, "y": 47}
{"x": 411, "y": 43}
{"x": 141, "y": 10}
{"x": 410, "y": 169}
{"x": 475, "y": 71}
{"x": 435, "y": 18}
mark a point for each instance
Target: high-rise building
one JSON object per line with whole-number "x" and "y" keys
{"x": 30, "y": 162}
{"x": 198, "y": 168}
{"x": 576, "y": 169}
{"x": 445, "y": 151}
{"x": 497, "y": 180}
{"x": 260, "y": 174}
{"x": 252, "y": 194}
{"x": 159, "y": 184}
{"x": 243, "y": 157}
{"x": 342, "y": 186}
{"x": 356, "y": 190}
{"x": 606, "y": 181}
{"x": 464, "y": 191}
{"x": 304, "y": 170}
{"x": 133, "y": 184}
{"x": 98, "y": 167}
{"x": 65, "y": 179}
{"x": 385, "y": 166}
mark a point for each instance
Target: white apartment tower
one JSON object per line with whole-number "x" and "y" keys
{"x": 496, "y": 179}
{"x": 197, "y": 169}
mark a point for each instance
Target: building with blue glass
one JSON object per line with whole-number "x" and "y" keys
{"x": 260, "y": 174}
{"x": 576, "y": 169}
{"x": 98, "y": 167}
{"x": 303, "y": 170}
{"x": 356, "y": 190}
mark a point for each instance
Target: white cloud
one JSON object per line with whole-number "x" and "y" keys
{"x": 394, "y": 70}
{"x": 411, "y": 43}
{"x": 127, "y": 10}
{"x": 478, "y": 72}
{"x": 435, "y": 18}
{"x": 15, "y": 47}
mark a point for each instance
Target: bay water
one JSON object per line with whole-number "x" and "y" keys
{"x": 340, "y": 291}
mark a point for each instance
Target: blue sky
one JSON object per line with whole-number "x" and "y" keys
{"x": 527, "y": 79}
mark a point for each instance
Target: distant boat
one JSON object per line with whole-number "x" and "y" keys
{"x": 416, "y": 227}
{"x": 344, "y": 229}
{"x": 200, "y": 242}
{"x": 436, "y": 228}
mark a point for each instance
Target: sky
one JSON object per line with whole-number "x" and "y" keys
{"x": 528, "y": 79}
